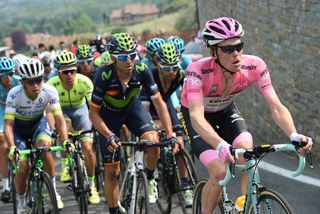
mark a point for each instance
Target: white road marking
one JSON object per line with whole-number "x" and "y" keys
{"x": 287, "y": 173}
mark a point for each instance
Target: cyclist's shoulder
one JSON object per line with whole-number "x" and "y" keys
{"x": 48, "y": 89}
{"x": 252, "y": 60}
{"x": 54, "y": 81}
{"x": 140, "y": 66}
{"x": 201, "y": 65}
{"x": 83, "y": 81}
{"x": 105, "y": 72}
{"x": 16, "y": 90}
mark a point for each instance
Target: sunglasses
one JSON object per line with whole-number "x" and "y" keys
{"x": 125, "y": 57}
{"x": 66, "y": 72}
{"x": 33, "y": 81}
{"x": 85, "y": 61}
{"x": 5, "y": 75}
{"x": 168, "y": 68}
{"x": 228, "y": 49}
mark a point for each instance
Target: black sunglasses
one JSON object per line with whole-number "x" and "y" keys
{"x": 33, "y": 81}
{"x": 228, "y": 49}
{"x": 66, "y": 72}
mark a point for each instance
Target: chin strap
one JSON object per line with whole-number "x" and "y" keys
{"x": 218, "y": 62}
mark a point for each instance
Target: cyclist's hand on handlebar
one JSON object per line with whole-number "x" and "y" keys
{"x": 223, "y": 150}
{"x": 176, "y": 144}
{"x": 12, "y": 152}
{"x": 68, "y": 146}
{"x": 302, "y": 142}
{"x": 113, "y": 142}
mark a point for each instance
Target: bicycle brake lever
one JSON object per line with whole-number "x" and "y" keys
{"x": 232, "y": 170}
{"x": 310, "y": 159}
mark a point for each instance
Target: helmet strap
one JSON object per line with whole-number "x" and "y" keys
{"x": 216, "y": 59}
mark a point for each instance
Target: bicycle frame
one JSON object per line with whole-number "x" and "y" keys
{"x": 36, "y": 168}
{"x": 131, "y": 171}
{"x": 251, "y": 168}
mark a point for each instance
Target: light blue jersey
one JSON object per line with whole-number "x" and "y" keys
{"x": 3, "y": 98}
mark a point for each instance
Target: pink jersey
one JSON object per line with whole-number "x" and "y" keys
{"x": 204, "y": 81}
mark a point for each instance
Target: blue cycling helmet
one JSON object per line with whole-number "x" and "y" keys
{"x": 178, "y": 42}
{"x": 6, "y": 65}
{"x": 153, "y": 45}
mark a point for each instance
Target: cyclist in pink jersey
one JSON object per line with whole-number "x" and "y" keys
{"x": 211, "y": 116}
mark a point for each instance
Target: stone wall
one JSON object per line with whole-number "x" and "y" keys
{"x": 286, "y": 34}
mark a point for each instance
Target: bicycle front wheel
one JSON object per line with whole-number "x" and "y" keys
{"x": 46, "y": 197}
{"x": 164, "y": 201}
{"x": 270, "y": 201}
{"x": 13, "y": 191}
{"x": 81, "y": 189}
{"x": 186, "y": 162}
{"x": 196, "y": 204}
{"x": 142, "y": 197}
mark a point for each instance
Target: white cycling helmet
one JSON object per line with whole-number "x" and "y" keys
{"x": 31, "y": 68}
{"x": 18, "y": 59}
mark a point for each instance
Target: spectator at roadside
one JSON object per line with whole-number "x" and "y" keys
{"x": 62, "y": 46}
{"x": 74, "y": 46}
{"x": 42, "y": 50}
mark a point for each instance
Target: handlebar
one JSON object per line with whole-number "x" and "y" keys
{"x": 139, "y": 143}
{"x": 79, "y": 133}
{"x": 42, "y": 150}
{"x": 256, "y": 153}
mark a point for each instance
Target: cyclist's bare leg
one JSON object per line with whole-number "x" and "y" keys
{"x": 89, "y": 157}
{"x": 212, "y": 190}
{"x": 3, "y": 156}
{"x": 153, "y": 153}
{"x": 20, "y": 179}
{"x": 48, "y": 161}
{"x": 111, "y": 184}
{"x": 244, "y": 178}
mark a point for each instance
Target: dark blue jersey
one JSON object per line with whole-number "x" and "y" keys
{"x": 108, "y": 90}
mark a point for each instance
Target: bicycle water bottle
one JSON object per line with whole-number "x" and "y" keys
{"x": 239, "y": 206}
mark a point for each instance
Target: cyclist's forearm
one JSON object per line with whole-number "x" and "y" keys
{"x": 206, "y": 132}
{"x": 201, "y": 125}
{"x": 164, "y": 116}
{"x": 98, "y": 123}
{"x": 61, "y": 127}
{"x": 282, "y": 117}
{"x": 8, "y": 131}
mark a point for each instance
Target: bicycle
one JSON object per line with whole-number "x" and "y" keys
{"x": 133, "y": 195}
{"x": 99, "y": 169}
{"x": 40, "y": 194}
{"x": 169, "y": 176}
{"x": 259, "y": 199}
{"x": 80, "y": 184}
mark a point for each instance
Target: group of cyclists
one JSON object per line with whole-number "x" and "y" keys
{"x": 118, "y": 89}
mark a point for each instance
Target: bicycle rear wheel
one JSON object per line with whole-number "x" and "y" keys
{"x": 164, "y": 201}
{"x": 192, "y": 177}
{"x": 46, "y": 196}
{"x": 270, "y": 201}
{"x": 142, "y": 196}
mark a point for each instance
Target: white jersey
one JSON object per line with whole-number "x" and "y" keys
{"x": 23, "y": 109}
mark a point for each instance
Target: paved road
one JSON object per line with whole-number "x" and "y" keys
{"x": 303, "y": 197}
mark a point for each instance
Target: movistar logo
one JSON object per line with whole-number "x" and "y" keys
{"x": 106, "y": 75}
{"x": 140, "y": 67}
